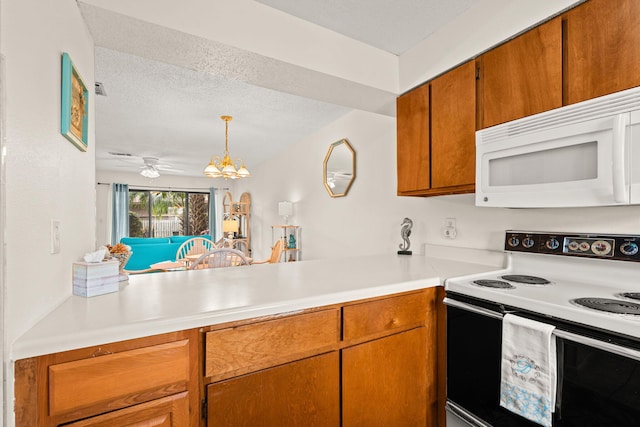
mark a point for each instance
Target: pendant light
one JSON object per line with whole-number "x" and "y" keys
{"x": 225, "y": 167}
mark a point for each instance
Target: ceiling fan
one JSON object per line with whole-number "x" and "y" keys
{"x": 150, "y": 168}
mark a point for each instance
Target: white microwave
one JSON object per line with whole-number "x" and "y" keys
{"x": 585, "y": 154}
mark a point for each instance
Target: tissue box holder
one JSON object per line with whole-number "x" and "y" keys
{"x": 95, "y": 278}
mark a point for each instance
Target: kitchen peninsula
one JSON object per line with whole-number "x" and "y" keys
{"x": 322, "y": 336}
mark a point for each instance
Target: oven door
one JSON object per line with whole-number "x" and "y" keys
{"x": 598, "y": 375}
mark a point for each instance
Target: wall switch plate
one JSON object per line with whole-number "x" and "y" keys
{"x": 55, "y": 237}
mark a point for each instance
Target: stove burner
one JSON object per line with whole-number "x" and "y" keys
{"x": 630, "y": 295}
{"x": 529, "y": 280}
{"x": 609, "y": 305}
{"x": 499, "y": 284}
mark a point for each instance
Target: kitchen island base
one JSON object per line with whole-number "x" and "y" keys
{"x": 343, "y": 364}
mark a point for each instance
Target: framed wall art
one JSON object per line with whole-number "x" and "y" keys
{"x": 75, "y": 105}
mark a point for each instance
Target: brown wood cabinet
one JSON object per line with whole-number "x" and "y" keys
{"x": 601, "y": 51}
{"x": 586, "y": 52}
{"x": 384, "y": 381}
{"x": 365, "y": 362}
{"x": 371, "y": 362}
{"x": 453, "y": 131}
{"x": 147, "y": 381}
{"x": 522, "y": 76}
{"x": 230, "y": 352}
{"x": 301, "y": 393}
{"x": 172, "y": 411}
{"x": 413, "y": 147}
{"x": 436, "y": 135}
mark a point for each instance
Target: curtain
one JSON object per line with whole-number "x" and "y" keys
{"x": 120, "y": 213}
{"x": 212, "y": 214}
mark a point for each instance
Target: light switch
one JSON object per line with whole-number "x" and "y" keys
{"x": 55, "y": 237}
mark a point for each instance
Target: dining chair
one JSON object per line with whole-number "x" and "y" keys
{"x": 220, "y": 257}
{"x": 194, "y": 246}
{"x": 276, "y": 254}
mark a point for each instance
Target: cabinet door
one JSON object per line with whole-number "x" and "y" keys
{"x": 413, "y": 140}
{"x": 302, "y": 393}
{"x": 172, "y": 411}
{"x": 453, "y": 126}
{"x": 602, "y": 54}
{"x": 522, "y": 77}
{"x": 384, "y": 382}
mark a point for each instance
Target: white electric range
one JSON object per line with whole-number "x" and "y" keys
{"x": 588, "y": 287}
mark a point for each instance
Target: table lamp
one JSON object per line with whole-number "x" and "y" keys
{"x": 230, "y": 226}
{"x": 285, "y": 209}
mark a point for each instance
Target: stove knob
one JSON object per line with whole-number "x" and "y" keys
{"x": 601, "y": 247}
{"x": 513, "y": 241}
{"x": 528, "y": 242}
{"x": 552, "y": 244}
{"x": 629, "y": 248}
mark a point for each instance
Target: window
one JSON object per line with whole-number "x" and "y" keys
{"x": 167, "y": 213}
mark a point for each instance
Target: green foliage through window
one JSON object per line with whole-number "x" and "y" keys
{"x": 167, "y": 213}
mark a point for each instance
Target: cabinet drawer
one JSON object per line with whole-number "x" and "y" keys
{"x": 384, "y": 315}
{"x": 248, "y": 348}
{"x": 172, "y": 411}
{"x": 118, "y": 380}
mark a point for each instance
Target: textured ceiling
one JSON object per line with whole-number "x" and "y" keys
{"x": 172, "y": 113}
{"x": 166, "y": 89}
{"x": 391, "y": 25}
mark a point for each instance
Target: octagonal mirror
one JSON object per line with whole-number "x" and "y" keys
{"x": 339, "y": 168}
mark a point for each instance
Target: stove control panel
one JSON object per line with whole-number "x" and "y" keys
{"x": 604, "y": 246}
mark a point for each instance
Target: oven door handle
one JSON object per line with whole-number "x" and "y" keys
{"x": 601, "y": 345}
{"x": 580, "y": 339}
{"x": 474, "y": 309}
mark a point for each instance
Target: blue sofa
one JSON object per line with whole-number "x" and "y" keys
{"x": 150, "y": 250}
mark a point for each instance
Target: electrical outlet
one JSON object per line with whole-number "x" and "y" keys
{"x": 55, "y": 237}
{"x": 449, "y": 230}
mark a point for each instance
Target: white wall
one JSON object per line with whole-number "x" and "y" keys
{"x": 366, "y": 221}
{"x": 46, "y": 176}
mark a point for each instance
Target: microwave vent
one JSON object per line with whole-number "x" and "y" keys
{"x": 608, "y": 105}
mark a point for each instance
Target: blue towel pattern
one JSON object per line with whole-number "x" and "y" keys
{"x": 530, "y": 405}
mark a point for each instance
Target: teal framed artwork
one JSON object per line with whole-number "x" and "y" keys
{"x": 74, "y": 117}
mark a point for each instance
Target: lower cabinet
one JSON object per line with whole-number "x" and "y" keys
{"x": 384, "y": 381}
{"x": 172, "y": 411}
{"x": 301, "y": 393}
{"x": 381, "y": 371}
{"x": 372, "y": 362}
{"x": 151, "y": 381}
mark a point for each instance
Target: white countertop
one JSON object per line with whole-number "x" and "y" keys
{"x": 157, "y": 303}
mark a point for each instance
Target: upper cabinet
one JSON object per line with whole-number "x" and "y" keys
{"x": 586, "y": 52}
{"x": 436, "y": 128}
{"x": 522, "y": 76}
{"x": 453, "y": 128}
{"x": 602, "y": 52}
{"x": 413, "y": 140}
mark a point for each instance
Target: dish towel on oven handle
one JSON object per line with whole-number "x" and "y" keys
{"x": 529, "y": 369}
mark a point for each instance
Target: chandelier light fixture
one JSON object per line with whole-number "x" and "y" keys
{"x": 225, "y": 167}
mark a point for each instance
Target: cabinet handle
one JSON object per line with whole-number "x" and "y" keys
{"x": 100, "y": 352}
